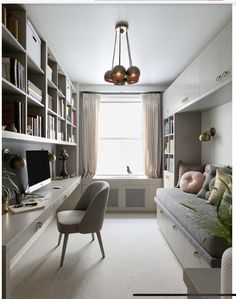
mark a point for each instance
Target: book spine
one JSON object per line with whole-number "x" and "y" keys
{"x": 34, "y": 95}
{"x": 34, "y": 88}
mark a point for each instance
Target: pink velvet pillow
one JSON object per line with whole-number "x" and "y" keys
{"x": 192, "y": 181}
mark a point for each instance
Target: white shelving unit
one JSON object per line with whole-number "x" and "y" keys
{"x": 63, "y": 112}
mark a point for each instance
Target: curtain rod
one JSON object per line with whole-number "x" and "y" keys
{"x": 122, "y": 93}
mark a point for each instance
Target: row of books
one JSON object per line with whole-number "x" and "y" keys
{"x": 14, "y": 71}
{"x": 169, "y": 146}
{"x": 51, "y": 129}
{"x": 13, "y": 116}
{"x": 50, "y": 102}
{"x": 34, "y": 91}
{"x": 73, "y": 117}
{"x": 169, "y": 127}
{"x": 34, "y": 125}
{"x": 169, "y": 164}
{"x": 68, "y": 114}
{"x": 61, "y": 107}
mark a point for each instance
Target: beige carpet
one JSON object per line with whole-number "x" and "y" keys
{"x": 138, "y": 260}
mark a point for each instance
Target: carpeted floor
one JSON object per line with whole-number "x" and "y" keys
{"x": 138, "y": 260}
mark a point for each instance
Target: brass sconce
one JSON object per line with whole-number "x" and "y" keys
{"x": 206, "y": 136}
{"x": 16, "y": 162}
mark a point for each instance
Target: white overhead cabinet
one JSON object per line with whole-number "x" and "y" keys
{"x": 216, "y": 61}
{"x": 211, "y": 70}
{"x": 208, "y": 73}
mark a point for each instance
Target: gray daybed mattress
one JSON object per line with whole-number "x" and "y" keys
{"x": 191, "y": 223}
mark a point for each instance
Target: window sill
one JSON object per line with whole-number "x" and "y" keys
{"x": 121, "y": 177}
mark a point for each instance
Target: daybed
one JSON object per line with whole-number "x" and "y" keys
{"x": 184, "y": 230}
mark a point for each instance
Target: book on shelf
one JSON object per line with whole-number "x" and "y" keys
{"x": 51, "y": 129}
{"x": 34, "y": 91}
{"x": 73, "y": 117}
{"x": 68, "y": 116}
{"x": 61, "y": 107}
{"x": 14, "y": 72}
{"x": 13, "y": 114}
{"x": 60, "y": 132}
{"x": 50, "y": 102}
{"x": 34, "y": 125}
{"x": 171, "y": 146}
{"x": 170, "y": 164}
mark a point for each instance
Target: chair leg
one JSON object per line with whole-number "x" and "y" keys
{"x": 92, "y": 236}
{"x": 100, "y": 243}
{"x": 59, "y": 239}
{"x": 64, "y": 249}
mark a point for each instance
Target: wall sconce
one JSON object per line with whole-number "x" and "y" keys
{"x": 16, "y": 162}
{"x": 206, "y": 136}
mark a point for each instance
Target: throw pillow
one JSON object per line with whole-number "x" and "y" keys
{"x": 211, "y": 185}
{"x": 210, "y": 173}
{"x": 219, "y": 187}
{"x": 188, "y": 167}
{"x": 191, "y": 181}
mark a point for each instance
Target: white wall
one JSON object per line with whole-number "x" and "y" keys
{"x": 219, "y": 149}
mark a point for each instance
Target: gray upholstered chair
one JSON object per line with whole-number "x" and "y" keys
{"x": 87, "y": 216}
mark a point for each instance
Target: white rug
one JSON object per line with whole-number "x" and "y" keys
{"x": 138, "y": 260}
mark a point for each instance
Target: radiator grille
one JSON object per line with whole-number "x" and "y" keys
{"x": 135, "y": 198}
{"x": 113, "y": 199}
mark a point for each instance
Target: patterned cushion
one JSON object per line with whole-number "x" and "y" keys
{"x": 188, "y": 167}
{"x": 211, "y": 185}
{"x": 210, "y": 173}
{"x": 191, "y": 181}
{"x": 219, "y": 187}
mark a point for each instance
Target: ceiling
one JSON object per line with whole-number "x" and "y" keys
{"x": 164, "y": 38}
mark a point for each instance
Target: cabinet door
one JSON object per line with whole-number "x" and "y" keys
{"x": 225, "y": 54}
{"x": 216, "y": 61}
{"x": 166, "y": 101}
{"x": 192, "y": 82}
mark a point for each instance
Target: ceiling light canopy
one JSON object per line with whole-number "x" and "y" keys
{"x": 118, "y": 75}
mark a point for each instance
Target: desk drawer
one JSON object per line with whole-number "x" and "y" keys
{"x": 29, "y": 232}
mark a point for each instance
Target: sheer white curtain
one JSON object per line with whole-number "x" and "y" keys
{"x": 91, "y": 103}
{"x": 152, "y": 134}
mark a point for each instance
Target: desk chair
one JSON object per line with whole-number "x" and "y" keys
{"x": 87, "y": 216}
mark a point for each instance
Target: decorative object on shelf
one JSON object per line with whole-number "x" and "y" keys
{"x": 12, "y": 23}
{"x": 52, "y": 158}
{"x": 6, "y": 194}
{"x": 118, "y": 74}
{"x": 16, "y": 162}
{"x": 128, "y": 170}
{"x": 64, "y": 156}
{"x": 12, "y": 128}
{"x": 206, "y": 136}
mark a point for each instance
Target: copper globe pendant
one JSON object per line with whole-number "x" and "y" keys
{"x": 108, "y": 76}
{"x": 118, "y": 75}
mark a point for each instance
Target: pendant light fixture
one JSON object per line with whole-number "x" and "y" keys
{"x": 118, "y": 74}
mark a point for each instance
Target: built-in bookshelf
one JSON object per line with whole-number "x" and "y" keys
{"x": 180, "y": 143}
{"x": 168, "y": 144}
{"x": 38, "y": 98}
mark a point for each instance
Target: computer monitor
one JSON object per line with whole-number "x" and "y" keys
{"x": 38, "y": 169}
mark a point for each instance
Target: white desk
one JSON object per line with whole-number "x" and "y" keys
{"x": 18, "y": 229}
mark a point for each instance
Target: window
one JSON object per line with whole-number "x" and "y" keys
{"x": 120, "y": 136}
